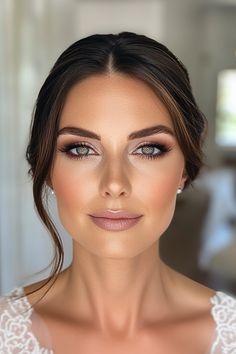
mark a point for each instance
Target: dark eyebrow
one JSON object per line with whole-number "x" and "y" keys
{"x": 134, "y": 135}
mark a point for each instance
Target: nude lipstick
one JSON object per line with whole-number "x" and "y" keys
{"x": 116, "y": 220}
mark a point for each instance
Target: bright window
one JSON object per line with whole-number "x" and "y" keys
{"x": 226, "y": 108}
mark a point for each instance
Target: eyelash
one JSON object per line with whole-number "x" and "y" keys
{"x": 162, "y": 147}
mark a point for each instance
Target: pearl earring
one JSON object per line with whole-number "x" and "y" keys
{"x": 179, "y": 190}
{"x": 52, "y": 192}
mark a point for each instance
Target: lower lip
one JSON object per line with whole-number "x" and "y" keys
{"x": 115, "y": 224}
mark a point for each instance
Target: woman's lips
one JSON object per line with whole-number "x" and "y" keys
{"x": 115, "y": 224}
{"x": 115, "y": 214}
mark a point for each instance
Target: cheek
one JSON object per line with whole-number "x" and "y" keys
{"x": 163, "y": 181}
{"x": 159, "y": 193}
{"x": 163, "y": 190}
{"x": 73, "y": 188}
{"x": 161, "y": 198}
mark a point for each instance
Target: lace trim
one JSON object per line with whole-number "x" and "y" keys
{"x": 224, "y": 314}
{"x": 15, "y": 336}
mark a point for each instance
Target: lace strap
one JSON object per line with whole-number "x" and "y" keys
{"x": 15, "y": 325}
{"x": 224, "y": 314}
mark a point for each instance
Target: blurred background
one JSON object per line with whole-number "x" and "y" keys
{"x": 201, "y": 240}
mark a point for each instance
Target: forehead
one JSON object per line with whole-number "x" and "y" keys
{"x": 113, "y": 98}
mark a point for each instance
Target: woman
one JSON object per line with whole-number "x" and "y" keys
{"x": 116, "y": 135}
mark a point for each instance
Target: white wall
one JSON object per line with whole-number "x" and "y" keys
{"x": 32, "y": 32}
{"x": 203, "y": 35}
{"x": 218, "y": 53}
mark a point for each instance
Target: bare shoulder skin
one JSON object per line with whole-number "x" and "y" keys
{"x": 188, "y": 317}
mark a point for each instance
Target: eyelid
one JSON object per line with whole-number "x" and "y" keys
{"x": 160, "y": 141}
{"x": 71, "y": 145}
{"x": 149, "y": 142}
{"x": 167, "y": 144}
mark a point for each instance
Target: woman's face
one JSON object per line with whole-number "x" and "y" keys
{"x": 115, "y": 172}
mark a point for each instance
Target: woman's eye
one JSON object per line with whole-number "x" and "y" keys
{"x": 152, "y": 151}
{"x": 78, "y": 151}
{"x": 149, "y": 151}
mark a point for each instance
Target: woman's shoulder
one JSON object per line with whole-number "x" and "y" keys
{"x": 224, "y": 314}
{"x": 224, "y": 299}
{"x": 14, "y": 303}
{"x": 14, "y": 320}
{"x": 16, "y": 324}
{"x": 219, "y": 306}
{"x": 224, "y": 309}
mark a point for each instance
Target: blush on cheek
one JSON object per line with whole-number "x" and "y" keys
{"x": 74, "y": 191}
{"x": 163, "y": 187}
{"x": 67, "y": 182}
{"x": 161, "y": 199}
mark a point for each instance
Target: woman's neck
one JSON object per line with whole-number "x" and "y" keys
{"x": 118, "y": 295}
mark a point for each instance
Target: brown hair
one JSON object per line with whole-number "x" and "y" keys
{"x": 129, "y": 53}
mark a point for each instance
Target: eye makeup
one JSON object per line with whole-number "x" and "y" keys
{"x": 163, "y": 149}
{"x": 80, "y": 150}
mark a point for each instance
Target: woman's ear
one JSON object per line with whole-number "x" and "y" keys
{"x": 49, "y": 182}
{"x": 184, "y": 178}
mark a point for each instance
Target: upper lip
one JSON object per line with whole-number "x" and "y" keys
{"x": 115, "y": 214}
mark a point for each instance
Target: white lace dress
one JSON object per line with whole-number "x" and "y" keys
{"x": 16, "y": 336}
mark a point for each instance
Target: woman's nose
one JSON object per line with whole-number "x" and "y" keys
{"x": 115, "y": 181}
